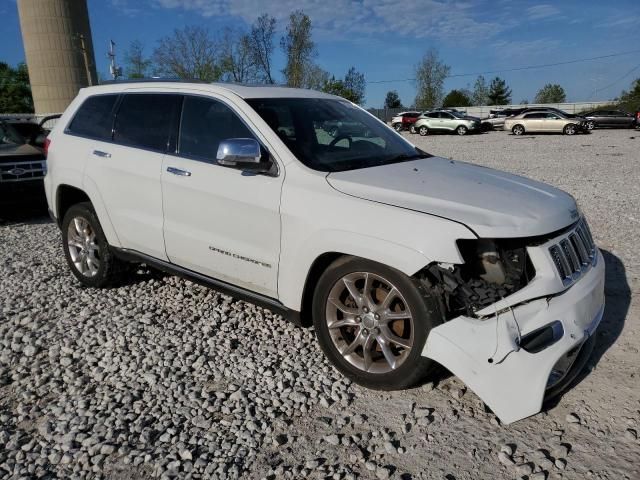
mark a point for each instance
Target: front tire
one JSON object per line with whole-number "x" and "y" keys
{"x": 372, "y": 322}
{"x": 517, "y": 130}
{"x": 591, "y": 125}
{"x": 570, "y": 129}
{"x": 86, "y": 248}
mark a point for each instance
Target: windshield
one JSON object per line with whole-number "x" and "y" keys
{"x": 333, "y": 135}
{"x": 9, "y": 135}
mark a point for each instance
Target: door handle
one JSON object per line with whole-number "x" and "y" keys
{"x": 100, "y": 153}
{"x": 177, "y": 171}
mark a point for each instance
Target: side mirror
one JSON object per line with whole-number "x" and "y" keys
{"x": 243, "y": 154}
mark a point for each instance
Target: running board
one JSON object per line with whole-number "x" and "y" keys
{"x": 234, "y": 291}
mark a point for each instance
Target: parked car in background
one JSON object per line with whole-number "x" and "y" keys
{"x": 444, "y": 121}
{"x": 404, "y": 120}
{"x": 22, "y": 170}
{"x": 495, "y": 120}
{"x": 549, "y": 109}
{"x": 33, "y": 132}
{"x": 609, "y": 119}
{"x": 544, "y": 121}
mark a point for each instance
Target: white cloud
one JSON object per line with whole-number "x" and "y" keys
{"x": 540, "y": 12}
{"x": 447, "y": 20}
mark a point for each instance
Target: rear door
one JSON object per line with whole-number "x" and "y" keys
{"x": 127, "y": 169}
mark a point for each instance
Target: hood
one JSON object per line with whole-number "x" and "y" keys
{"x": 492, "y": 203}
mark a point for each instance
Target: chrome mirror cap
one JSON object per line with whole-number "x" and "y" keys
{"x": 238, "y": 150}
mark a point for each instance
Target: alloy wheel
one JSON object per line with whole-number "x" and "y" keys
{"x": 369, "y": 322}
{"x": 83, "y": 248}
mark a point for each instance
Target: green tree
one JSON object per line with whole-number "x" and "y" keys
{"x": 630, "y": 100}
{"x": 15, "y": 90}
{"x": 299, "y": 49}
{"x": 431, "y": 73}
{"x": 456, "y": 98}
{"x": 351, "y": 87}
{"x": 136, "y": 64}
{"x": 190, "y": 53}
{"x": 550, "y": 93}
{"x": 355, "y": 84}
{"x": 499, "y": 92}
{"x": 392, "y": 100}
{"x": 480, "y": 95}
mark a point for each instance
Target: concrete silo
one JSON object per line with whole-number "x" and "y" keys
{"x": 59, "y": 51}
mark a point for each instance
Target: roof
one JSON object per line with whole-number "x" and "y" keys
{"x": 242, "y": 90}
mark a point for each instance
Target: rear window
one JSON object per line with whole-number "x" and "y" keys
{"x": 94, "y": 118}
{"x": 144, "y": 120}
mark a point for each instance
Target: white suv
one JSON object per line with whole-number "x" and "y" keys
{"x": 399, "y": 259}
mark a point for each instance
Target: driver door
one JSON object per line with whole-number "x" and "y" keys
{"x": 219, "y": 221}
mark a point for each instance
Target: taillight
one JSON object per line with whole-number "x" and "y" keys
{"x": 47, "y": 142}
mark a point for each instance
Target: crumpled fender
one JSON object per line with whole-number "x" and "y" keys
{"x": 485, "y": 354}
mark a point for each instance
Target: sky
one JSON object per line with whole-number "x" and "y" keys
{"x": 384, "y": 39}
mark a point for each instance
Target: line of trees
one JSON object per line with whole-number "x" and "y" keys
{"x": 244, "y": 56}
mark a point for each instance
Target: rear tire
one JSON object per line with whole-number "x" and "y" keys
{"x": 397, "y": 127}
{"x": 517, "y": 130}
{"x": 412, "y": 129}
{"x": 360, "y": 334}
{"x": 86, "y": 249}
{"x": 423, "y": 131}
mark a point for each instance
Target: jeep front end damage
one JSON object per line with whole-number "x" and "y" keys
{"x": 517, "y": 315}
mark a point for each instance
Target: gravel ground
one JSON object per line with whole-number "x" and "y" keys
{"x": 164, "y": 378}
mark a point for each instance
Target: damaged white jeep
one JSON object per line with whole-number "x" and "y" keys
{"x": 306, "y": 204}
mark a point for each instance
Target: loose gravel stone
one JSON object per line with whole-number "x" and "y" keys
{"x": 572, "y": 418}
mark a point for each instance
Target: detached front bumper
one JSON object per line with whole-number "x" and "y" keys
{"x": 487, "y": 354}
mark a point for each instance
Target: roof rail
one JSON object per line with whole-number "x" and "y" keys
{"x": 152, "y": 79}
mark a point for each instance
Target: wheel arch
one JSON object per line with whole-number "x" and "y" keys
{"x": 67, "y": 195}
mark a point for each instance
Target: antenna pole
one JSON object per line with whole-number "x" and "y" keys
{"x": 113, "y": 69}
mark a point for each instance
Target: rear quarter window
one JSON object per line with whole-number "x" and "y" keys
{"x": 94, "y": 118}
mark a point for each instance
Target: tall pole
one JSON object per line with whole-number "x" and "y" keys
{"x": 85, "y": 56}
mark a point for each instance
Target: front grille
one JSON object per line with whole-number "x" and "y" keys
{"x": 575, "y": 253}
{"x": 23, "y": 171}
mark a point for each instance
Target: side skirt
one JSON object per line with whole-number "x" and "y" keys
{"x": 234, "y": 291}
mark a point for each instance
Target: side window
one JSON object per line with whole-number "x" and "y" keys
{"x": 433, "y": 115}
{"x": 94, "y": 118}
{"x": 205, "y": 122}
{"x": 144, "y": 120}
{"x": 535, "y": 115}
